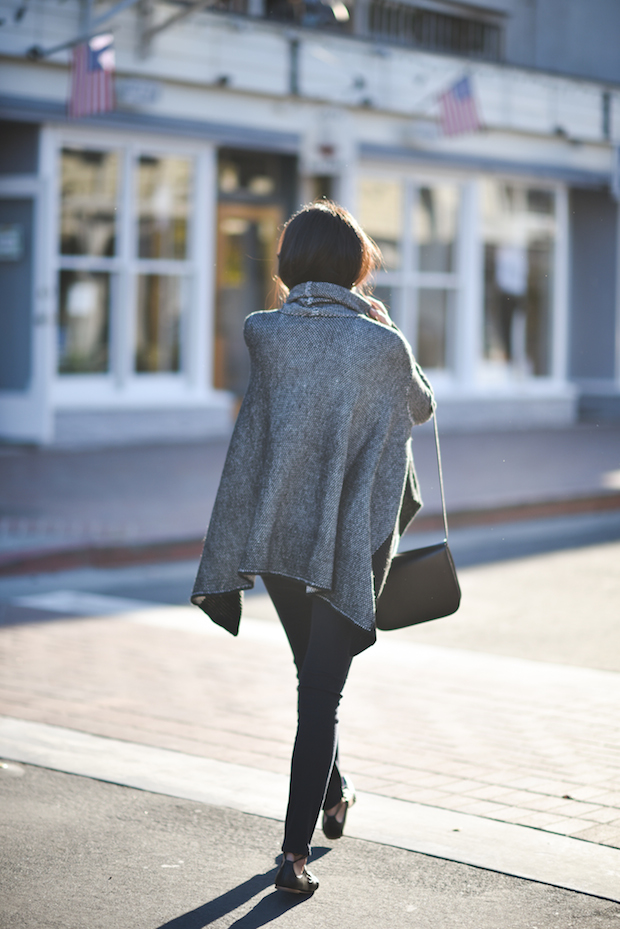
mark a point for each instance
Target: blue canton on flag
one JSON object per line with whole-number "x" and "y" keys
{"x": 92, "y": 77}
{"x": 458, "y": 109}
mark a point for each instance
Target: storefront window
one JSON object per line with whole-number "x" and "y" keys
{"x": 84, "y": 323}
{"x": 381, "y": 216}
{"x": 164, "y": 190}
{"x": 159, "y": 318}
{"x": 435, "y": 324}
{"x": 419, "y": 282}
{"x": 435, "y": 227}
{"x": 89, "y": 186}
{"x": 519, "y": 230}
{"x": 136, "y": 285}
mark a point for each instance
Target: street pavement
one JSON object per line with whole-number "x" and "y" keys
{"x": 81, "y": 853}
{"x": 147, "y": 751}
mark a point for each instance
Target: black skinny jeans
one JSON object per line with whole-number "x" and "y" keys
{"x": 322, "y": 641}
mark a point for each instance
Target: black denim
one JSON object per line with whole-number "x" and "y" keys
{"x": 323, "y": 642}
{"x": 320, "y": 639}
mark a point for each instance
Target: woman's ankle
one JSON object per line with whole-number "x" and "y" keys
{"x": 338, "y": 809}
{"x": 299, "y": 862}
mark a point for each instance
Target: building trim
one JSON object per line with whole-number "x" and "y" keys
{"x": 34, "y": 110}
{"x": 574, "y": 176}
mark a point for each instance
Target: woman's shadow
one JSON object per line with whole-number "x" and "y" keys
{"x": 266, "y": 910}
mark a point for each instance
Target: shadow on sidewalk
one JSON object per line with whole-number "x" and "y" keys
{"x": 267, "y": 909}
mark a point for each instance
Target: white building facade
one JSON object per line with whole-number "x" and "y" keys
{"x": 134, "y": 243}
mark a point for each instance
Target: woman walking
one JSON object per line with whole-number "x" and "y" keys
{"x": 317, "y": 488}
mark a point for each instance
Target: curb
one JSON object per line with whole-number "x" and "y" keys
{"x": 506, "y": 848}
{"x": 115, "y": 556}
{"x": 521, "y": 512}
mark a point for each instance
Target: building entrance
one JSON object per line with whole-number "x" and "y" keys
{"x": 247, "y": 237}
{"x": 24, "y": 407}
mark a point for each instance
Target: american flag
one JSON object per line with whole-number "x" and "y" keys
{"x": 458, "y": 109}
{"x": 92, "y": 77}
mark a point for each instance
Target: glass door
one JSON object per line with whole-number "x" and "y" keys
{"x": 247, "y": 239}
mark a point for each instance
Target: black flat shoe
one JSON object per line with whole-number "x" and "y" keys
{"x": 286, "y": 879}
{"x": 331, "y": 827}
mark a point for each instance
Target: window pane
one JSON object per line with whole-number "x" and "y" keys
{"x": 380, "y": 215}
{"x": 435, "y": 313}
{"x": 89, "y": 188}
{"x": 84, "y": 322}
{"x": 159, "y": 323}
{"x": 519, "y": 236}
{"x": 164, "y": 189}
{"x": 435, "y": 227}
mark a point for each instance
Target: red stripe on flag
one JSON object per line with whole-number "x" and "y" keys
{"x": 92, "y": 91}
{"x": 458, "y": 111}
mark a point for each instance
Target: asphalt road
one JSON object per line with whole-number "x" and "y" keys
{"x": 79, "y": 853}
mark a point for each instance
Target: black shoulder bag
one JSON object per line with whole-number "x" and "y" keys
{"x": 422, "y": 583}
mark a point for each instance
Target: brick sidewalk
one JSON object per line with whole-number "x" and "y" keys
{"x": 516, "y": 740}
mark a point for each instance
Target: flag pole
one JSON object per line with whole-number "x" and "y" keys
{"x": 86, "y": 15}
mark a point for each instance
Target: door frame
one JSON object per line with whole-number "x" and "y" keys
{"x": 26, "y": 415}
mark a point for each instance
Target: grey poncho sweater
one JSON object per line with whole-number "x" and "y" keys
{"x": 319, "y": 472}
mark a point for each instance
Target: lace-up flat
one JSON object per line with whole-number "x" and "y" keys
{"x": 304, "y": 883}
{"x": 331, "y": 827}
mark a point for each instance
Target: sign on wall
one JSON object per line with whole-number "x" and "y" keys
{"x": 11, "y": 241}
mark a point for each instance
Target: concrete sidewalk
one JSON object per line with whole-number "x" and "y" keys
{"x": 116, "y": 505}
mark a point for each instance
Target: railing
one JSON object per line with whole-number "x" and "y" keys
{"x": 390, "y": 21}
{"x": 439, "y": 32}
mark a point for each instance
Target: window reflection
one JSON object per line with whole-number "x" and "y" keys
{"x": 247, "y": 244}
{"x": 164, "y": 189}
{"x": 435, "y": 227}
{"x": 380, "y": 215}
{"x": 435, "y": 312}
{"x": 158, "y": 323}
{"x": 89, "y": 191}
{"x": 84, "y": 322}
{"x": 519, "y": 236}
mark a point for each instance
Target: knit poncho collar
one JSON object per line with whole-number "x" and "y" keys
{"x": 316, "y": 298}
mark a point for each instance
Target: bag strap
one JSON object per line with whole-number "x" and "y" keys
{"x": 443, "y": 499}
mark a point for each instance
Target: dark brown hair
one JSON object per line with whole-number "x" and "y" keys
{"x": 322, "y": 242}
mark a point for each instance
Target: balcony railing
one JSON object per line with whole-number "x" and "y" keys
{"x": 390, "y": 21}
{"x": 439, "y": 32}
